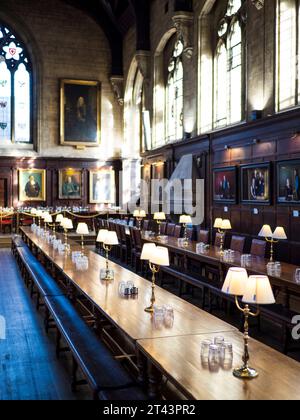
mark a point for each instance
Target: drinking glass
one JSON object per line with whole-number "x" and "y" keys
{"x": 159, "y": 317}
{"x": 213, "y": 358}
{"x": 278, "y": 269}
{"x": 219, "y": 341}
{"x": 168, "y": 316}
{"x": 297, "y": 276}
{"x": 226, "y": 355}
{"x": 205, "y": 345}
{"x": 271, "y": 269}
{"x": 122, "y": 286}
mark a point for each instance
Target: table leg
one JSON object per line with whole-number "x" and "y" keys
{"x": 155, "y": 382}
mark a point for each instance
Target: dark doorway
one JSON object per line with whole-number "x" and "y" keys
{"x": 3, "y": 192}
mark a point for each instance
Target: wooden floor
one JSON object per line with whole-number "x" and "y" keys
{"x": 28, "y": 367}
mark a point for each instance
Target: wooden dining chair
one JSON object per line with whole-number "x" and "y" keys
{"x": 177, "y": 231}
{"x": 238, "y": 244}
{"x": 170, "y": 229}
{"x": 146, "y": 224}
{"x": 163, "y": 228}
{"x": 258, "y": 248}
{"x": 203, "y": 237}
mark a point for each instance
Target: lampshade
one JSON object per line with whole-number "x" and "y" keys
{"x": 48, "y": 218}
{"x": 45, "y": 215}
{"x": 59, "y": 218}
{"x": 64, "y": 222}
{"x": 235, "y": 282}
{"x": 39, "y": 213}
{"x": 33, "y": 212}
{"x": 111, "y": 239}
{"x": 159, "y": 216}
{"x": 160, "y": 257}
{"x": 266, "y": 232}
{"x": 280, "y": 234}
{"x": 185, "y": 220}
{"x": 226, "y": 225}
{"x": 218, "y": 223}
{"x": 259, "y": 291}
{"x": 102, "y": 235}
{"x": 82, "y": 229}
{"x": 136, "y": 213}
{"x": 143, "y": 214}
{"x": 147, "y": 252}
{"x": 68, "y": 224}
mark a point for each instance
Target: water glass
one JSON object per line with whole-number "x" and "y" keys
{"x": 213, "y": 358}
{"x": 271, "y": 269}
{"x": 61, "y": 249}
{"x": 226, "y": 355}
{"x": 278, "y": 269}
{"x": 246, "y": 260}
{"x": 159, "y": 317}
{"x": 219, "y": 341}
{"x": 168, "y": 316}
{"x": 297, "y": 276}
{"x": 205, "y": 345}
{"x": 122, "y": 287}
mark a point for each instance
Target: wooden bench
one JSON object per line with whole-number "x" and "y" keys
{"x": 105, "y": 376}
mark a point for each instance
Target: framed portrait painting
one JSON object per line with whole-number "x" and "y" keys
{"x": 225, "y": 185}
{"x": 256, "y": 184}
{"x": 288, "y": 182}
{"x": 80, "y": 111}
{"x": 102, "y": 187}
{"x": 69, "y": 184}
{"x": 32, "y": 185}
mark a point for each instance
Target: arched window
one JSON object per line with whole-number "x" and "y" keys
{"x": 15, "y": 89}
{"x": 287, "y": 92}
{"x": 174, "y": 95}
{"x": 229, "y": 68}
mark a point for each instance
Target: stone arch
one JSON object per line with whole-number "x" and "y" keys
{"x": 159, "y": 90}
{"x": 18, "y": 25}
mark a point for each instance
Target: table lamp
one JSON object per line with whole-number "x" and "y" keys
{"x": 82, "y": 230}
{"x": 222, "y": 226}
{"x": 158, "y": 257}
{"x": 273, "y": 238}
{"x": 139, "y": 215}
{"x": 66, "y": 224}
{"x": 39, "y": 214}
{"x": 159, "y": 217}
{"x": 256, "y": 290}
{"x": 110, "y": 240}
{"x": 184, "y": 221}
{"x": 33, "y": 213}
{"x": 48, "y": 219}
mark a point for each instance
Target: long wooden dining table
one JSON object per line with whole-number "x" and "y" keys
{"x": 173, "y": 352}
{"x": 285, "y": 281}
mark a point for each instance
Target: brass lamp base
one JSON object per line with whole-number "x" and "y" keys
{"x": 150, "y": 310}
{"x": 245, "y": 373}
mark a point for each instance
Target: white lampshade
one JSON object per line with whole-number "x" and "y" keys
{"x": 33, "y": 212}
{"x": 235, "y": 282}
{"x": 160, "y": 257}
{"x": 111, "y": 239}
{"x": 218, "y": 223}
{"x": 160, "y": 216}
{"x": 266, "y": 232}
{"x": 82, "y": 229}
{"x": 102, "y": 235}
{"x": 136, "y": 213}
{"x": 39, "y": 213}
{"x": 259, "y": 291}
{"x": 147, "y": 252}
{"x": 185, "y": 220}
{"x": 48, "y": 218}
{"x": 143, "y": 214}
{"x": 226, "y": 225}
{"x": 64, "y": 222}
{"x": 280, "y": 234}
{"x": 59, "y": 218}
{"x": 68, "y": 224}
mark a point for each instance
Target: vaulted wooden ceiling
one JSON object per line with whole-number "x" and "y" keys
{"x": 117, "y": 16}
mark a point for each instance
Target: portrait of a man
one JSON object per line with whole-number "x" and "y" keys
{"x": 80, "y": 113}
{"x": 225, "y": 185}
{"x": 256, "y": 181}
{"x": 102, "y": 187}
{"x": 32, "y": 185}
{"x": 288, "y": 188}
{"x": 70, "y": 184}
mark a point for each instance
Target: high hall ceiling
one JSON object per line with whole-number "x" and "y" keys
{"x": 117, "y": 16}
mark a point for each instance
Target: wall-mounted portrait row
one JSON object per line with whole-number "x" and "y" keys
{"x": 102, "y": 185}
{"x": 253, "y": 183}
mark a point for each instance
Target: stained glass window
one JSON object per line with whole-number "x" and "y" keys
{"x": 174, "y": 95}
{"x": 287, "y": 51}
{"x": 229, "y": 67}
{"x": 15, "y": 89}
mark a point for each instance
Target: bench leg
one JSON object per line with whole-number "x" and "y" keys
{"x": 74, "y": 375}
{"x": 58, "y": 338}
